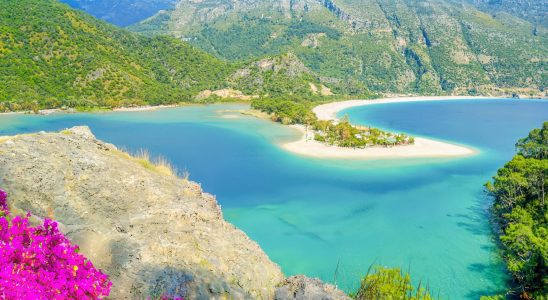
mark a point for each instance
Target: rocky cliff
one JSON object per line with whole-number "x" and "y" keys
{"x": 150, "y": 230}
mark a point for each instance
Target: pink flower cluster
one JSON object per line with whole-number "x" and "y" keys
{"x": 40, "y": 263}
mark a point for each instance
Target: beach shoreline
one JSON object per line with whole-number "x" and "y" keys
{"x": 421, "y": 148}
{"x": 50, "y": 111}
{"x": 329, "y": 111}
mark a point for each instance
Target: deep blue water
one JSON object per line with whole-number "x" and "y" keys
{"x": 310, "y": 215}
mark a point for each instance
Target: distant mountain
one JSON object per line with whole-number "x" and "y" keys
{"x": 536, "y": 11}
{"x": 121, "y": 12}
{"x": 391, "y": 46}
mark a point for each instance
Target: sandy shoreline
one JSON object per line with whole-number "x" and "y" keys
{"x": 329, "y": 111}
{"x": 422, "y": 148}
{"x": 72, "y": 110}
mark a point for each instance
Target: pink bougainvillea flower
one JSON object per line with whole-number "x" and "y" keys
{"x": 40, "y": 262}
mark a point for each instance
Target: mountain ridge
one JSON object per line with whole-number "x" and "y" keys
{"x": 404, "y": 46}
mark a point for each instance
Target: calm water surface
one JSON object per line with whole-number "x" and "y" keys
{"x": 334, "y": 218}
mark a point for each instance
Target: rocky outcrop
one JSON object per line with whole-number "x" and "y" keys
{"x": 303, "y": 288}
{"x": 151, "y": 232}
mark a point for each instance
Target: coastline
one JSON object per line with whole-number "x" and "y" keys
{"x": 50, "y": 111}
{"x": 307, "y": 146}
{"x": 329, "y": 111}
{"x": 422, "y": 148}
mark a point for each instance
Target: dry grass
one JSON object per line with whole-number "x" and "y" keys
{"x": 158, "y": 164}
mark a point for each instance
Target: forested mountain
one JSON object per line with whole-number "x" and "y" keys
{"x": 121, "y": 12}
{"x": 402, "y": 46}
{"x": 54, "y": 56}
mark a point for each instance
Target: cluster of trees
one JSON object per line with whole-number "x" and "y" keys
{"x": 385, "y": 283}
{"x": 286, "y": 111}
{"x": 519, "y": 211}
{"x": 251, "y": 37}
{"x": 344, "y": 134}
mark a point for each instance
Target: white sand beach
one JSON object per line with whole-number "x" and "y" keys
{"x": 422, "y": 148}
{"x": 143, "y": 108}
{"x": 329, "y": 111}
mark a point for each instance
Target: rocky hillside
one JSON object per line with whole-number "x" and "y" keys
{"x": 403, "y": 46}
{"x": 533, "y": 10}
{"x": 148, "y": 229}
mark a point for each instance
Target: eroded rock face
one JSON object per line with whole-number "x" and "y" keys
{"x": 303, "y": 288}
{"x": 149, "y": 231}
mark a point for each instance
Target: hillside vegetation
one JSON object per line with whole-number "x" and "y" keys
{"x": 403, "y": 46}
{"x": 52, "y": 56}
{"x": 519, "y": 191}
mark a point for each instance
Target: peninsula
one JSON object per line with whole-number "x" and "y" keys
{"x": 421, "y": 148}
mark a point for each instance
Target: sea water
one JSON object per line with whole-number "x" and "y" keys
{"x": 333, "y": 219}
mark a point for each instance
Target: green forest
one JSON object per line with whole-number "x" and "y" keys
{"x": 520, "y": 214}
{"x": 52, "y": 56}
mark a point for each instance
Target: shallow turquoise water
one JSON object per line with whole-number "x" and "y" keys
{"x": 313, "y": 215}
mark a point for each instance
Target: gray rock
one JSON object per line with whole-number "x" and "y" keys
{"x": 303, "y": 288}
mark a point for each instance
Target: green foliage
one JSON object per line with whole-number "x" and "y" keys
{"x": 286, "y": 111}
{"x": 519, "y": 208}
{"x": 251, "y": 37}
{"x": 344, "y": 134}
{"x": 223, "y": 42}
{"x": 52, "y": 56}
{"x": 535, "y": 144}
{"x": 390, "y": 284}
{"x": 495, "y": 297}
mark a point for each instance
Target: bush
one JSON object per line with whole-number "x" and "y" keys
{"x": 390, "y": 284}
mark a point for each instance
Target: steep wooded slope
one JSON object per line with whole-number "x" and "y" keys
{"x": 426, "y": 47}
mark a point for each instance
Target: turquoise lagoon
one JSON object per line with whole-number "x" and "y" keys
{"x": 334, "y": 218}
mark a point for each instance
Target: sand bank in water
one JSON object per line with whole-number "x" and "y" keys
{"x": 422, "y": 148}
